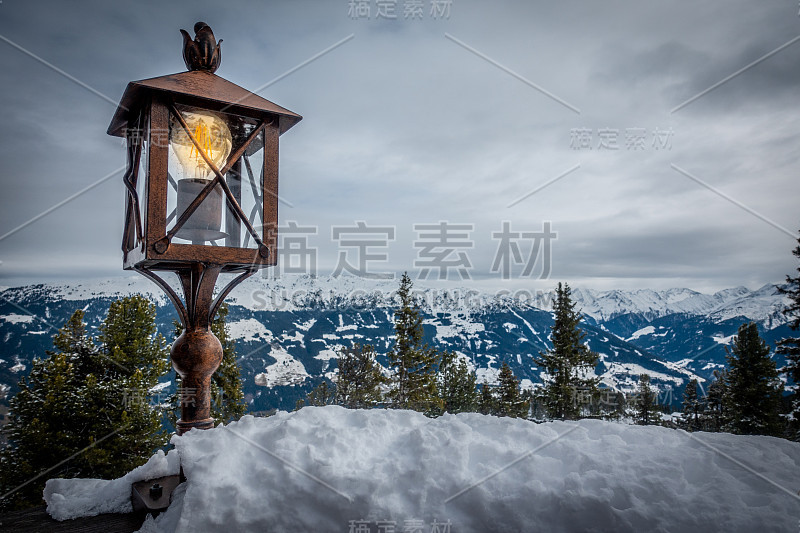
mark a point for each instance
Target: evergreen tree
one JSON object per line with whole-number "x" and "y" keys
{"x": 789, "y": 347}
{"x": 39, "y": 430}
{"x": 753, "y": 396}
{"x": 569, "y": 364}
{"x": 620, "y": 405}
{"x": 692, "y": 408}
{"x": 83, "y": 410}
{"x": 129, "y": 339}
{"x": 646, "y": 408}
{"x": 414, "y": 363}
{"x": 538, "y": 409}
{"x": 610, "y": 404}
{"x": 509, "y": 400}
{"x": 227, "y": 396}
{"x": 457, "y": 385}
{"x": 714, "y": 412}
{"x": 359, "y": 379}
{"x": 487, "y": 404}
{"x": 322, "y": 395}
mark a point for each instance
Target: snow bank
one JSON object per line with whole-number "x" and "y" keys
{"x": 74, "y": 498}
{"x": 332, "y": 469}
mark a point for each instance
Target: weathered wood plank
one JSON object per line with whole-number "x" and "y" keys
{"x": 37, "y": 520}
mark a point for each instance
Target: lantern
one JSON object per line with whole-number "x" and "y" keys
{"x": 202, "y": 198}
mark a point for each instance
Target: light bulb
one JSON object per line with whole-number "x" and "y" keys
{"x": 213, "y": 136}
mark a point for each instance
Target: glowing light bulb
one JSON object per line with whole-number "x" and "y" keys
{"x": 213, "y": 136}
{"x": 214, "y": 140}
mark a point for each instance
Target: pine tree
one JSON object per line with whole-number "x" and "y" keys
{"x": 610, "y": 404}
{"x": 789, "y": 347}
{"x": 570, "y": 363}
{"x": 414, "y": 363}
{"x": 692, "y": 408}
{"x": 714, "y": 412}
{"x": 509, "y": 400}
{"x": 646, "y": 408}
{"x": 753, "y": 398}
{"x": 457, "y": 385}
{"x": 359, "y": 379}
{"x": 83, "y": 410}
{"x": 620, "y": 405}
{"x": 227, "y": 395}
{"x": 320, "y": 396}
{"x": 39, "y": 430}
{"x": 487, "y": 404}
{"x": 538, "y": 409}
{"x": 129, "y": 339}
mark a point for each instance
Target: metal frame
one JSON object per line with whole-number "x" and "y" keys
{"x": 151, "y": 247}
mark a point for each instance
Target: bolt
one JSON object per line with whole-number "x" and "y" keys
{"x": 156, "y": 491}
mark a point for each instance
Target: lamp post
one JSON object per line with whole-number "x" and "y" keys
{"x": 202, "y": 198}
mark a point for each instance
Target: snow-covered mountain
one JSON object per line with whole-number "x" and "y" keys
{"x": 289, "y": 329}
{"x": 292, "y": 292}
{"x": 762, "y": 305}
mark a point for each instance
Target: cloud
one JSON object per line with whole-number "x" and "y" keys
{"x": 403, "y": 126}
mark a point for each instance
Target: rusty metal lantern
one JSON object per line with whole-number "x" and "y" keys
{"x": 202, "y": 197}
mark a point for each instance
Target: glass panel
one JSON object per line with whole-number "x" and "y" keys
{"x": 141, "y": 178}
{"x": 215, "y": 222}
{"x": 250, "y": 196}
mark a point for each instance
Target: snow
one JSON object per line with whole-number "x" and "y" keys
{"x": 460, "y": 327}
{"x": 649, "y": 330}
{"x": 719, "y": 339}
{"x": 115, "y": 287}
{"x": 285, "y": 371}
{"x": 327, "y": 468}
{"x": 526, "y": 384}
{"x": 14, "y": 318}
{"x": 295, "y": 337}
{"x": 248, "y": 330}
{"x": 461, "y": 356}
{"x": 528, "y": 324}
{"x": 75, "y": 498}
{"x": 160, "y": 387}
{"x": 488, "y": 375}
{"x": 763, "y": 305}
{"x": 632, "y": 371}
{"x": 305, "y": 326}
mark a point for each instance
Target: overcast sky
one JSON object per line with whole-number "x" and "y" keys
{"x": 454, "y": 117}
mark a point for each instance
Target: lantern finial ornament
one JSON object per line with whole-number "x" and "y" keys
{"x": 204, "y": 52}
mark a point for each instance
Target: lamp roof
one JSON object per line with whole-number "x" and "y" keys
{"x": 197, "y": 84}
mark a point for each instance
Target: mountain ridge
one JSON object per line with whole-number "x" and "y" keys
{"x": 288, "y": 330}
{"x": 298, "y": 291}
